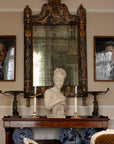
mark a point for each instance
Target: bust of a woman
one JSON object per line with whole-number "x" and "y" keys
{"x": 54, "y": 99}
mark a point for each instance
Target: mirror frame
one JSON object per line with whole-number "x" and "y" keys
{"x": 48, "y": 15}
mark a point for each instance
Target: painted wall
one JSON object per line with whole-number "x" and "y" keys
{"x": 100, "y": 22}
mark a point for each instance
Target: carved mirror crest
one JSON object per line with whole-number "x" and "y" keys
{"x": 54, "y": 38}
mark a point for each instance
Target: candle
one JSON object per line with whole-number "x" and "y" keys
{"x": 75, "y": 89}
{"x": 35, "y": 90}
{"x": 75, "y": 110}
{"x": 35, "y": 99}
{"x": 35, "y": 104}
{"x": 75, "y": 99}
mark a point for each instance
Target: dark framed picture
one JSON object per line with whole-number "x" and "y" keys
{"x": 104, "y": 58}
{"x": 7, "y": 57}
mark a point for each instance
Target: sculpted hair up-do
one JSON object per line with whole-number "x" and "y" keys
{"x": 60, "y": 72}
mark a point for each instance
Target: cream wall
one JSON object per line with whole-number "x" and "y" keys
{"x": 100, "y": 22}
{"x": 72, "y": 4}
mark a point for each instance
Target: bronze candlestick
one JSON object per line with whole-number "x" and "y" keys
{"x": 15, "y": 112}
{"x": 95, "y": 112}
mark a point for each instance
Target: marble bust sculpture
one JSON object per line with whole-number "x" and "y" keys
{"x": 54, "y": 100}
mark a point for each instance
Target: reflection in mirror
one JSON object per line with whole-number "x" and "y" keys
{"x": 7, "y": 57}
{"x": 54, "y": 46}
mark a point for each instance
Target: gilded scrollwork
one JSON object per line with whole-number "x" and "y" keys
{"x": 83, "y": 60}
{"x": 57, "y": 15}
{"x": 27, "y": 20}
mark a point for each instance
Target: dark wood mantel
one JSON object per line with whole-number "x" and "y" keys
{"x": 55, "y": 122}
{"x": 43, "y": 122}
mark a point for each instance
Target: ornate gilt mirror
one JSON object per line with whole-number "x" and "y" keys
{"x": 54, "y": 38}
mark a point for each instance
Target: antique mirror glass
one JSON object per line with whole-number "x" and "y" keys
{"x": 55, "y": 38}
{"x": 54, "y": 46}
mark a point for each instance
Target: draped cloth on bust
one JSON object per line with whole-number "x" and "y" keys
{"x": 55, "y": 101}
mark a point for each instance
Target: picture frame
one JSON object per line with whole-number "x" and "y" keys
{"x": 104, "y": 58}
{"x": 7, "y": 58}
